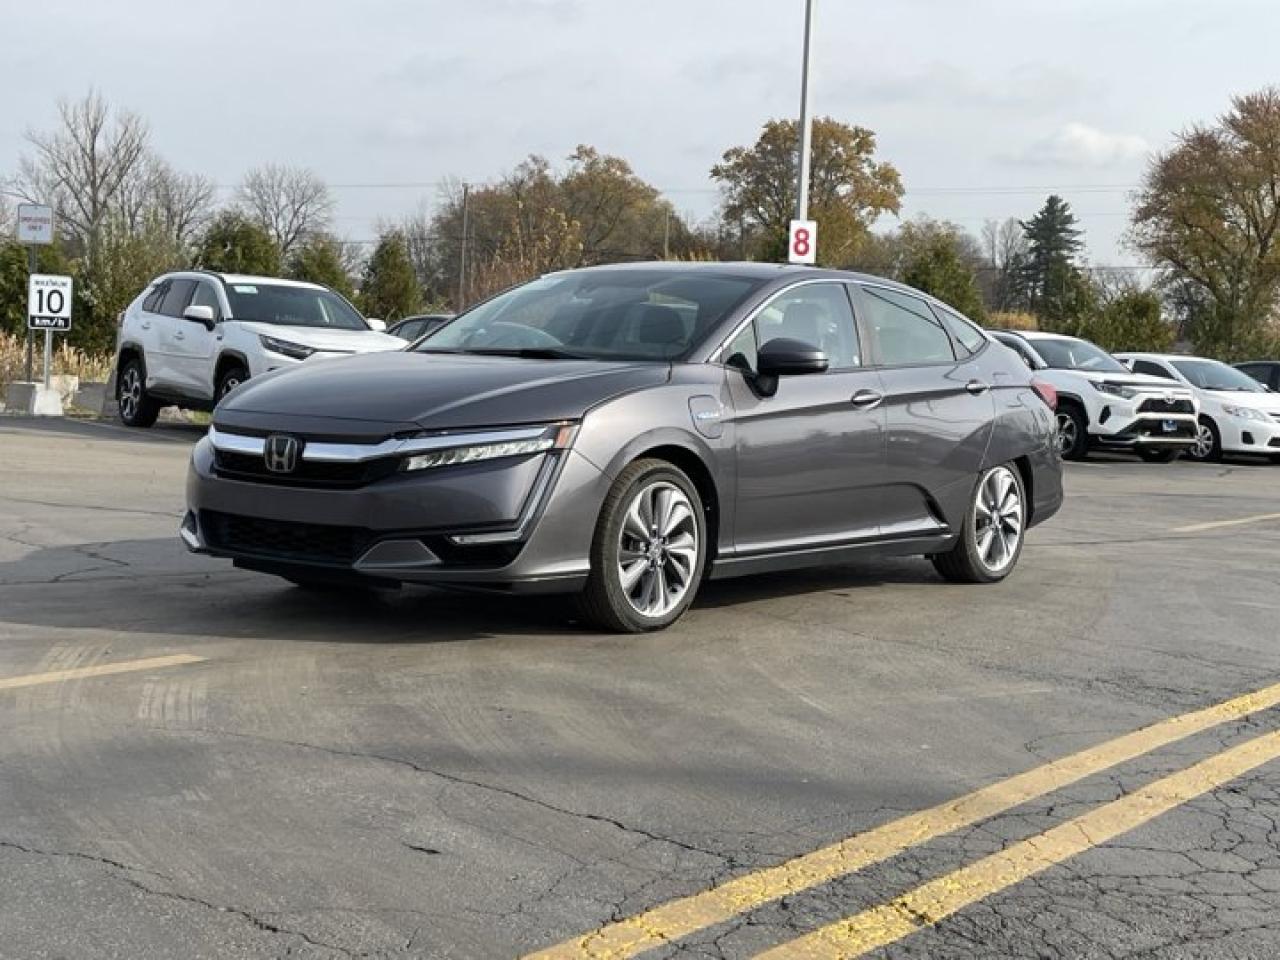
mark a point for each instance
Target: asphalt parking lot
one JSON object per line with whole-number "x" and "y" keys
{"x": 201, "y": 762}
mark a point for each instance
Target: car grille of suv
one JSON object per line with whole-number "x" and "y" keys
{"x": 283, "y": 539}
{"x": 309, "y": 473}
{"x": 1166, "y": 406}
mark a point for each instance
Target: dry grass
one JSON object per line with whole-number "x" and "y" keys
{"x": 66, "y": 359}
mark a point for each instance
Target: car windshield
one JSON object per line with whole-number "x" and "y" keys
{"x": 292, "y": 306}
{"x": 1068, "y": 353}
{"x": 626, "y": 314}
{"x": 1212, "y": 375}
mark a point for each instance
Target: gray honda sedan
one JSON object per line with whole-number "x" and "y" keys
{"x": 622, "y": 433}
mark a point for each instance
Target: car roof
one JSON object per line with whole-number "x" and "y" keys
{"x": 754, "y": 270}
{"x": 1037, "y": 335}
{"x": 244, "y": 278}
{"x": 1166, "y": 357}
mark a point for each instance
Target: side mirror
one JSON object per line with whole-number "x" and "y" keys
{"x": 784, "y": 357}
{"x": 376, "y": 324}
{"x": 198, "y": 313}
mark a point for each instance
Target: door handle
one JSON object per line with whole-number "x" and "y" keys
{"x": 977, "y": 387}
{"x": 145, "y": 324}
{"x": 866, "y": 399}
{"x": 179, "y": 335}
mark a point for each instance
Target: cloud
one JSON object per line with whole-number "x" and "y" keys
{"x": 1080, "y": 145}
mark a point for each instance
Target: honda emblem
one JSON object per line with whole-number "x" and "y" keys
{"x": 280, "y": 453}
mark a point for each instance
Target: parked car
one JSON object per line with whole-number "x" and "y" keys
{"x": 624, "y": 432}
{"x": 1266, "y": 372}
{"x": 190, "y": 338}
{"x": 1102, "y": 404}
{"x": 1237, "y": 414}
{"x": 411, "y": 328}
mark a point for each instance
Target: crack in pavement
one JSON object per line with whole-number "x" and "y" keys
{"x": 123, "y": 875}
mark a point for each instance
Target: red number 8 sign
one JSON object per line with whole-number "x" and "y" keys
{"x": 802, "y": 245}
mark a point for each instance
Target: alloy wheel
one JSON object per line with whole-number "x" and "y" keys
{"x": 658, "y": 549}
{"x": 998, "y": 519}
{"x": 1203, "y": 446}
{"x": 1066, "y": 433}
{"x": 130, "y": 397}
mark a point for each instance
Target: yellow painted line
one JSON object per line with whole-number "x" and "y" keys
{"x": 1219, "y": 524}
{"x": 934, "y": 901}
{"x": 679, "y": 918}
{"x": 101, "y": 670}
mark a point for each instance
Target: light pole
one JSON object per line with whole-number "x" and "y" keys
{"x": 806, "y": 125}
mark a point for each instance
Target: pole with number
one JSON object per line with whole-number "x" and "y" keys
{"x": 806, "y": 123}
{"x": 31, "y": 270}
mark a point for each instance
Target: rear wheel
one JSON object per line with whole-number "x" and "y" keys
{"x": 649, "y": 550}
{"x": 1073, "y": 433}
{"x": 1158, "y": 455}
{"x": 991, "y": 541}
{"x": 1208, "y": 445}
{"x": 137, "y": 407}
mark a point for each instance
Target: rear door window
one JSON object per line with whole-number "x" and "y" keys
{"x": 152, "y": 303}
{"x": 907, "y": 331}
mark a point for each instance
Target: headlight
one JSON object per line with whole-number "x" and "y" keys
{"x": 554, "y": 437}
{"x": 1116, "y": 390}
{"x": 286, "y": 348}
{"x": 1245, "y": 413}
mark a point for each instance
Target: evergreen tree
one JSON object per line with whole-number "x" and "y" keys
{"x": 1047, "y": 271}
{"x": 319, "y": 260}
{"x": 235, "y": 244}
{"x": 390, "y": 287}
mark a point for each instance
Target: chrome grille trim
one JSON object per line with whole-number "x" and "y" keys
{"x": 321, "y": 452}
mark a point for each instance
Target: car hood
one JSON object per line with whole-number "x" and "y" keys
{"x": 395, "y": 391}
{"x": 1141, "y": 381}
{"x": 326, "y": 339}
{"x": 1266, "y": 402}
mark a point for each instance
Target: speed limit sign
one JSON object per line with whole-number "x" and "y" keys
{"x": 49, "y": 302}
{"x": 802, "y": 243}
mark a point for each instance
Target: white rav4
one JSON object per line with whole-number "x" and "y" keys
{"x": 1102, "y": 403}
{"x": 192, "y": 337}
{"x": 1237, "y": 414}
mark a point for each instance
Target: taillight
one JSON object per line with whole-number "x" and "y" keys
{"x": 1046, "y": 392}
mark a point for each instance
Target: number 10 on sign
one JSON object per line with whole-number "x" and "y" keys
{"x": 802, "y": 243}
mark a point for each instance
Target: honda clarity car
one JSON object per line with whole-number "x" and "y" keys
{"x": 623, "y": 433}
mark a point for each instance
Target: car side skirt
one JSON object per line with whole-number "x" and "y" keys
{"x": 725, "y": 567}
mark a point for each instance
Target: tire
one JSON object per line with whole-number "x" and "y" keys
{"x": 1073, "y": 433}
{"x": 1208, "y": 448}
{"x": 137, "y": 407}
{"x": 231, "y": 378}
{"x": 1157, "y": 455}
{"x": 642, "y": 597}
{"x": 977, "y": 558}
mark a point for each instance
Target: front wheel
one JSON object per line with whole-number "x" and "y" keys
{"x": 649, "y": 550}
{"x": 1157, "y": 455}
{"x": 991, "y": 540}
{"x": 1208, "y": 445}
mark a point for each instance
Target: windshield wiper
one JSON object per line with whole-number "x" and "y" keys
{"x": 527, "y": 353}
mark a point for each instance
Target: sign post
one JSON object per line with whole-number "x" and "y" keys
{"x": 35, "y": 229}
{"x": 48, "y": 309}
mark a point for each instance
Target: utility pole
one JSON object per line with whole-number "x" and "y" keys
{"x": 462, "y": 254}
{"x": 806, "y": 125}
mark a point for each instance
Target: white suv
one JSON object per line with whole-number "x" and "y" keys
{"x": 192, "y": 337}
{"x": 1102, "y": 403}
{"x": 1237, "y": 414}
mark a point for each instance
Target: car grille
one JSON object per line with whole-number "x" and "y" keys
{"x": 283, "y": 539}
{"x": 1166, "y": 406}
{"x": 309, "y": 473}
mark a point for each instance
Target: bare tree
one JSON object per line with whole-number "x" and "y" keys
{"x": 84, "y": 166}
{"x": 290, "y": 202}
{"x": 183, "y": 201}
{"x": 1004, "y": 248}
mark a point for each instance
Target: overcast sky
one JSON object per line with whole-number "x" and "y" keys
{"x": 984, "y": 105}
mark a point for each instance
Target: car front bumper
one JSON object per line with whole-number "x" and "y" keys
{"x": 1238, "y": 435}
{"x": 518, "y": 524}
